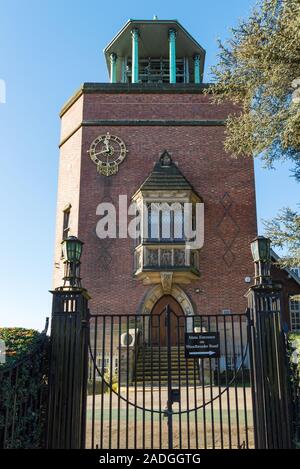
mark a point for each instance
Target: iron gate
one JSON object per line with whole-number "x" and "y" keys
{"x": 145, "y": 392}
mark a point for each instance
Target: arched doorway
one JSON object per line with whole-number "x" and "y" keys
{"x": 158, "y": 325}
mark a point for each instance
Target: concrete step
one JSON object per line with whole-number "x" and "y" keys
{"x": 153, "y": 367}
{"x": 165, "y": 364}
{"x": 181, "y": 363}
{"x": 165, "y": 377}
{"x": 156, "y": 371}
{"x": 175, "y": 381}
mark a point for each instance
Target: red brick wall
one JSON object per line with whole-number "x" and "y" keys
{"x": 152, "y": 106}
{"x": 107, "y": 267}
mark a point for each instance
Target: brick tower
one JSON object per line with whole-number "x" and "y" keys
{"x": 152, "y": 135}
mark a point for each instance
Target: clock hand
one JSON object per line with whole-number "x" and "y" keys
{"x": 106, "y": 143}
{"x": 101, "y": 152}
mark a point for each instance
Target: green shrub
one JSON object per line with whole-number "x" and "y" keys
{"x": 294, "y": 344}
{"x": 106, "y": 386}
{"x": 18, "y": 342}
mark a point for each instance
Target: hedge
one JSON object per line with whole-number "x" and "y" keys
{"x": 23, "y": 388}
{"x": 18, "y": 343}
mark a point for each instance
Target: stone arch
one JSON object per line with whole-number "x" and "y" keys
{"x": 156, "y": 292}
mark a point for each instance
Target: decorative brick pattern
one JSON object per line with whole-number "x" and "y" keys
{"x": 228, "y": 229}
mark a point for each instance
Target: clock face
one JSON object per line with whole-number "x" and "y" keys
{"x": 107, "y": 152}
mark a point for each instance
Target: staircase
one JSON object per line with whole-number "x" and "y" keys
{"x": 152, "y": 367}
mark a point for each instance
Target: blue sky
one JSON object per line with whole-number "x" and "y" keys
{"x": 47, "y": 49}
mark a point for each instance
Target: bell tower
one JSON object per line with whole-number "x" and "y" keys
{"x": 157, "y": 51}
{"x": 151, "y": 134}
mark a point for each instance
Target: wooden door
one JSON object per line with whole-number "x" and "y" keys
{"x": 158, "y": 322}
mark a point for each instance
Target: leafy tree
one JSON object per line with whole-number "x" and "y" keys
{"x": 284, "y": 230}
{"x": 259, "y": 70}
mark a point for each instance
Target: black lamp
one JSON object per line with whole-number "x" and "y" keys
{"x": 261, "y": 253}
{"x": 72, "y": 250}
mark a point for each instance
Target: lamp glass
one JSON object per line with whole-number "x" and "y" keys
{"x": 254, "y": 250}
{"x": 261, "y": 248}
{"x": 264, "y": 249}
{"x": 72, "y": 249}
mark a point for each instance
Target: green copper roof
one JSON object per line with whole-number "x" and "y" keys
{"x": 166, "y": 175}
